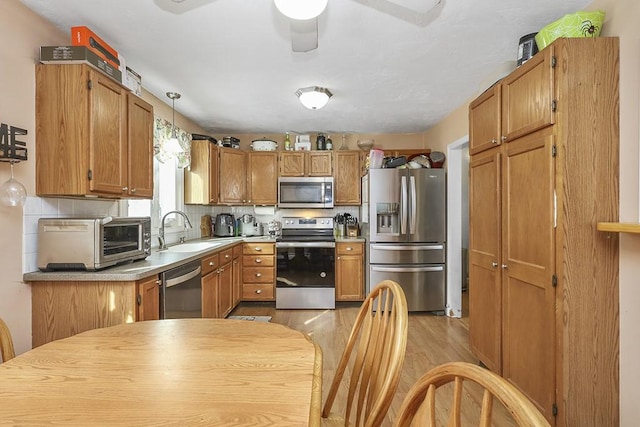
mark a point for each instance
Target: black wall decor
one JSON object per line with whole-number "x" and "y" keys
{"x": 11, "y": 149}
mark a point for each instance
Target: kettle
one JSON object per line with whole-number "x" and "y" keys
{"x": 224, "y": 226}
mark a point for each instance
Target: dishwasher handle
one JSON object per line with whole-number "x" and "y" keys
{"x": 181, "y": 279}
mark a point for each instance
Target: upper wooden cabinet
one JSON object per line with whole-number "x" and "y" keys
{"x": 201, "y": 177}
{"x": 485, "y": 120}
{"x": 305, "y": 163}
{"x": 262, "y": 178}
{"x": 347, "y": 182}
{"x": 93, "y": 137}
{"x": 232, "y": 178}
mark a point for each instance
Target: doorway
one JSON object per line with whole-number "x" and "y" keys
{"x": 457, "y": 226}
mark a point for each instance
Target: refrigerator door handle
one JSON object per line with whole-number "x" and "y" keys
{"x": 407, "y": 269}
{"x": 403, "y": 205}
{"x": 406, "y": 247}
{"x": 412, "y": 221}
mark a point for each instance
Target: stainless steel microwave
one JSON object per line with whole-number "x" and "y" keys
{"x": 305, "y": 192}
{"x": 92, "y": 243}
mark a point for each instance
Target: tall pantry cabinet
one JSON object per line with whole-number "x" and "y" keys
{"x": 543, "y": 282}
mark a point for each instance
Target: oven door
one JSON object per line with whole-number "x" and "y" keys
{"x": 305, "y": 275}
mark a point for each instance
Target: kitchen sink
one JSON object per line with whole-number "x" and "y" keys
{"x": 193, "y": 246}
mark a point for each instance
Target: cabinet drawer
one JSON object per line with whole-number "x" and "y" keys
{"x": 355, "y": 248}
{"x": 257, "y": 291}
{"x": 258, "y": 248}
{"x": 258, "y": 275}
{"x": 226, "y": 256}
{"x": 210, "y": 263}
{"x": 258, "y": 260}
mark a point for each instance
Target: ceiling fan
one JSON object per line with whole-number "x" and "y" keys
{"x": 303, "y": 14}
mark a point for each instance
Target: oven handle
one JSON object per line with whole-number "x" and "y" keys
{"x": 181, "y": 279}
{"x": 305, "y": 244}
{"x": 406, "y": 247}
{"x": 406, "y": 269}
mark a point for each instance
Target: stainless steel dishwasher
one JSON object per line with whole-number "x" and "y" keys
{"x": 181, "y": 292}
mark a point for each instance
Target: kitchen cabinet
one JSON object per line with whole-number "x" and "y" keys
{"x": 201, "y": 177}
{"x": 93, "y": 137}
{"x": 262, "y": 178}
{"x": 349, "y": 271}
{"x": 225, "y": 290}
{"x": 543, "y": 282}
{"x": 61, "y": 309}
{"x": 148, "y": 298}
{"x": 258, "y": 272}
{"x": 306, "y": 163}
{"x": 233, "y": 176}
{"x": 347, "y": 184}
{"x": 210, "y": 285}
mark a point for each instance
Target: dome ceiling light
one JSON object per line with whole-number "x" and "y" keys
{"x": 301, "y": 9}
{"x": 314, "y": 97}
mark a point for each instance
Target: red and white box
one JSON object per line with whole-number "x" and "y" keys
{"x": 83, "y": 36}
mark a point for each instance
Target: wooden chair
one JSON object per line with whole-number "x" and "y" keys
{"x": 374, "y": 354}
{"x": 6, "y": 343}
{"x": 421, "y": 399}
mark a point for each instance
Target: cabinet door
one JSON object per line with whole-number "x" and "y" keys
{"x": 528, "y": 253}
{"x": 225, "y": 290}
{"x": 107, "y": 136}
{"x": 485, "y": 295}
{"x": 527, "y": 97}
{"x": 201, "y": 177}
{"x": 292, "y": 163}
{"x": 148, "y": 299}
{"x": 232, "y": 180}
{"x": 319, "y": 163}
{"x": 349, "y": 272}
{"x": 485, "y": 121}
{"x": 262, "y": 177}
{"x": 237, "y": 280}
{"x": 347, "y": 177}
{"x": 140, "y": 143}
{"x": 210, "y": 291}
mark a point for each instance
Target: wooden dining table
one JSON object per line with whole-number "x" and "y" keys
{"x": 180, "y": 372}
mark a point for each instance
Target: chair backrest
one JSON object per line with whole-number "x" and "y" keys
{"x": 6, "y": 343}
{"x": 375, "y": 354}
{"x": 421, "y": 399}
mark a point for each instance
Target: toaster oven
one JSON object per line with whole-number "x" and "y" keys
{"x": 92, "y": 243}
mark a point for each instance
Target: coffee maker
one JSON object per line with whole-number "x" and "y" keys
{"x": 225, "y": 226}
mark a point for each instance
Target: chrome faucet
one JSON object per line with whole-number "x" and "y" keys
{"x": 162, "y": 244}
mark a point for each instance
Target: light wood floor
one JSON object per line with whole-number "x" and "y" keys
{"x": 432, "y": 340}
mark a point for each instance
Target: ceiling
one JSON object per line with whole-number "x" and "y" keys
{"x": 394, "y": 66}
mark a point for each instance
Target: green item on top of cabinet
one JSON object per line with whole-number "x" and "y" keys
{"x": 578, "y": 24}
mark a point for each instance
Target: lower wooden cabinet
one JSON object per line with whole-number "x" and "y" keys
{"x": 237, "y": 275}
{"x": 349, "y": 271}
{"x": 258, "y": 272}
{"x": 148, "y": 298}
{"x": 217, "y": 284}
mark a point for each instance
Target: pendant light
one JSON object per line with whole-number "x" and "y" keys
{"x": 301, "y": 9}
{"x": 12, "y": 192}
{"x": 314, "y": 97}
{"x": 172, "y": 145}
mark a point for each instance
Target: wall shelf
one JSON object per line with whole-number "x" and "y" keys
{"x": 619, "y": 227}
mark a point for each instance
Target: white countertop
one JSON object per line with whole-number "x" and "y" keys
{"x": 155, "y": 263}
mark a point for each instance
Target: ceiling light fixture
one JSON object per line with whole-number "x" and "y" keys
{"x": 301, "y": 9}
{"x": 314, "y": 97}
{"x": 173, "y": 145}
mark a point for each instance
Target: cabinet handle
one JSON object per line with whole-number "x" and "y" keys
{"x": 221, "y": 270}
{"x": 211, "y": 263}
{"x": 494, "y": 264}
{"x": 504, "y": 266}
{"x": 133, "y": 190}
{"x": 338, "y": 257}
{"x": 258, "y": 260}
{"x": 349, "y": 248}
{"x": 258, "y": 291}
{"x": 227, "y": 256}
{"x": 503, "y": 138}
{"x": 257, "y": 249}
{"x": 125, "y": 188}
{"x": 494, "y": 141}
{"x": 258, "y": 274}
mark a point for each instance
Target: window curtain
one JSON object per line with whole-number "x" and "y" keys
{"x": 162, "y": 132}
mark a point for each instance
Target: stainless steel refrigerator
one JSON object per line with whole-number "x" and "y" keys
{"x": 403, "y": 217}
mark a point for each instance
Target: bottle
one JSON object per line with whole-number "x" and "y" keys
{"x": 320, "y": 144}
{"x": 329, "y": 143}
{"x": 287, "y": 142}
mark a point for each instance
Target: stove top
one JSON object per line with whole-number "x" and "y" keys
{"x": 307, "y": 229}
